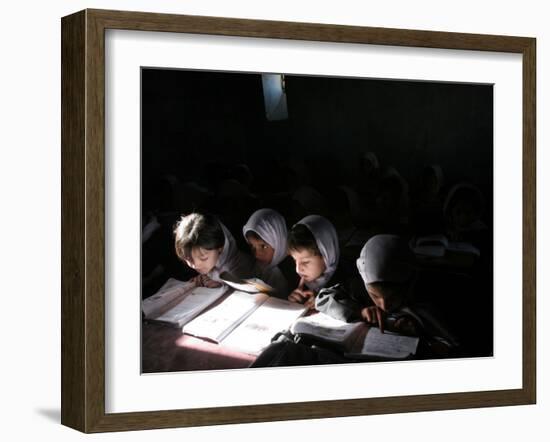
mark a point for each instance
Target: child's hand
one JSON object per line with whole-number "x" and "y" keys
{"x": 303, "y": 296}
{"x": 374, "y": 315}
{"x": 205, "y": 281}
{"x": 310, "y": 302}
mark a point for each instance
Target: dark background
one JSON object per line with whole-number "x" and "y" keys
{"x": 195, "y": 117}
{"x": 199, "y": 128}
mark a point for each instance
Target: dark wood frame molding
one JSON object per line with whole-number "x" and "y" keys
{"x": 83, "y": 217}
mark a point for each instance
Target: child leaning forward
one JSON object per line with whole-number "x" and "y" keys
{"x": 313, "y": 244}
{"x": 206, "y": 245}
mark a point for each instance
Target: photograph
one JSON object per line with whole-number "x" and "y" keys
{"x": 268, "y": 220}
{"x": 298, "y": 220}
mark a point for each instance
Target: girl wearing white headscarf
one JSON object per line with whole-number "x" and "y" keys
{"x": 207, "y": 246}
{"x": 385, "y": 265}
{"x": 266, "y": 233}
{"x": 313, "y": 244}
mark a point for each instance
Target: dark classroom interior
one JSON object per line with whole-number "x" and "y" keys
{"x": 361, "y": 152}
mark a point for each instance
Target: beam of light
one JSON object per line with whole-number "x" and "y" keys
{"x": 274, "y": 97}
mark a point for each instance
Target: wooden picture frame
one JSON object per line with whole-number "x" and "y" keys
{"x": 83, "y": 220}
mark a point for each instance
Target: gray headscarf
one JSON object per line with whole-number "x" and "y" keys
{"x": 385, "y": 258}
{"x": 231, "y": 259}
{"x": 327, "y": 241}
{"x": 271, "y": 227}
{"x": 371, "y": 158}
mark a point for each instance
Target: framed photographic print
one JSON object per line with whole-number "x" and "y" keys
{"x": 421, "y": 141}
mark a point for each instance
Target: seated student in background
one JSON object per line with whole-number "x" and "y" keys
{"x": 204, "y": 244}
{"x": 266, "y": 233}
{"x": 313, "y": 244}
{"x": 391, "y": 209}
{"x": 427, "y": 202}
{"x": 368, "y": 178}
{"x": 463, "y": 209}
{"x": 387, "y": 272}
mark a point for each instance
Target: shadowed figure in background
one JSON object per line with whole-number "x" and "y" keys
{"x": 233, "y": 203}
{"x": 427, "y": 202}
{"x": 368, "y": 179}
{"x": 390, "y": 212}
{"x": 463, "y": 209}
{"x": 307, "y": 200}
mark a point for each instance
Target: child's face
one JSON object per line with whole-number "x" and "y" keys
{"x": 203, "y": 260}
{"x": 308, "y": 265}
{"x": 463, "y": 214}
{"x": 262, "y": 251}
{"x": 386, "y": 299}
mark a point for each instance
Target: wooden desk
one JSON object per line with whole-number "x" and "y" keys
{"x": 166, "y": 349}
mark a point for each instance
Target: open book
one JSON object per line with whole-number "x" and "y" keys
{"x": 178, "y": 302}
{"x": 245, "y": 322}
{"x": 250, "y": 285}
{"x": 437, "y": 246}
{"x": 386, "y": 345}
{"x": 325, "y": 328}
{"x": 344, "y": 335}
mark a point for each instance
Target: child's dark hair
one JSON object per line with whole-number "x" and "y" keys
{"x": 468, "y": 195}
{"x": 197, "y": 230}
{"x": 300, "y": 238}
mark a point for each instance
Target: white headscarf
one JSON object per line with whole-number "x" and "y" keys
{"x": 327, "y": 241}
{"x": 371, "y": 158}
{"x": 385, "y": 258}
{"x": 231, "y": 259}
{"x": 271, "y": 227}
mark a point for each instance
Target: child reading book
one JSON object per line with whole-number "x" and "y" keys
{"x": 266, "y": 233}
{"x": 206, "y": 245}
{"x": 313, "y": 244}
{"x": 386, "y": 268}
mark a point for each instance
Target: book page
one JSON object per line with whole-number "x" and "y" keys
{"x": 252, "y": 285}
{"x": 216, "y": 323}
{"x": 194, "y": 302}
{"x": 388, "y": 345}
{"x": 255, "y": 333}
{"x": 325, "y": 327}
{"x": 172, "y": 289}
{"x": 463, "y": 247}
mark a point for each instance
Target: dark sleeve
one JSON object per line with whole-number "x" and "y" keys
{"x": 337, "y": 302}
